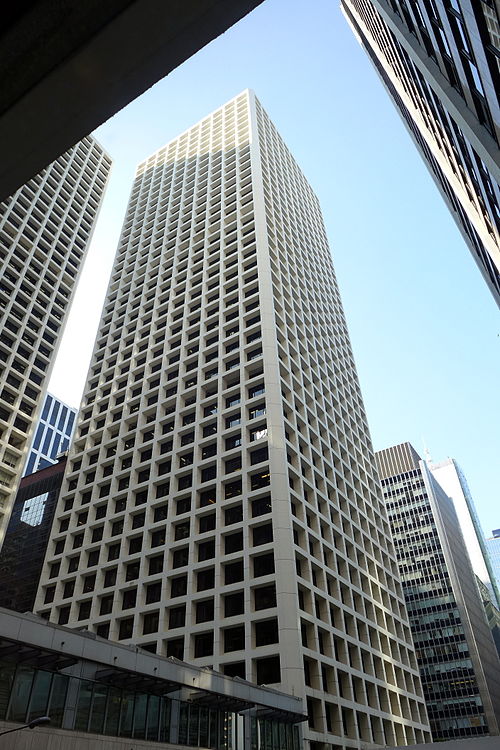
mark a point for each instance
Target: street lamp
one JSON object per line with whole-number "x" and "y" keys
{"x": 31, "y": 725}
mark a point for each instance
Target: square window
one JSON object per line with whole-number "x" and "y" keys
{"x": 203, "y": 644}
{"x": 234, "y": 604}
{"x": 234, "y": 638}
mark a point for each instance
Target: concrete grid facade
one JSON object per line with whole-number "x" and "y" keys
{"x": 45, "y": 228}
{"x": 221, "y": 504}
{"x": 439, "y": 62}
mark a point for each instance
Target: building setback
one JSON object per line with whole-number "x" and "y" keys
{"x": 221, "y": 503}
{"x": 27, "y": 536}
{"x": 439, "y": 63}
{"x": 45, "y": 229}
{"x": 456, "y": 654}
{"x": 52, "y": 434}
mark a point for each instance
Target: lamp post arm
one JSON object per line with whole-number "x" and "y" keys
{"x": 16, "y": 729}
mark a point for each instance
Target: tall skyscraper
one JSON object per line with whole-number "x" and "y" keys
{"x": 52, "y": 434}
{"x": 45, "y": 228}
{"x": 493, "y": 547}
{"x": 439, "y": 62}
{"x": 221, "y": 503}
{"x": 451, "y": 478}
{"x": 457, "y": 657}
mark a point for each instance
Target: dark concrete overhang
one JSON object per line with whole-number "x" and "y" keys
{"x": 34, "y": 641}
{"x": 67, "y": 66}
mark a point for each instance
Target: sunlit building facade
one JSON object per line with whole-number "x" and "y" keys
{"x": 45, "y": 229}
{"x": 440, "y": 63}
{"x": 221, "y": 504}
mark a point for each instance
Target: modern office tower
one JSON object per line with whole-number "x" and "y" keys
{"x": 52, "y": 434}
{"x": 45, "y": 228}
{"x": 221, "y": 502}
{"x": 458, "y": 661}
{"x": 439, "y": 63}
{"x": 451, "y": 478}
{"x": 27, "y": 536}
{"x": 493, "y": 547}
{"x": 491, "y": 610}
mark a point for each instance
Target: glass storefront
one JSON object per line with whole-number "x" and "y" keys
{"x": 27, "y": 693}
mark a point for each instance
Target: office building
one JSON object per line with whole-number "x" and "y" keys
{"x": 52, "y": 434}
{"x": 101, "y": 695}
{"x": 456, "y": 654}
{"x": 45, "y": 228}
{"x": 451, "y": 478}
{"x": 493, "y": 547}
{"x": 491, "y": 610}
{"x": 27, "y": 536}
{"x": 439, "y": 62}
{"x": 221, "y": 503}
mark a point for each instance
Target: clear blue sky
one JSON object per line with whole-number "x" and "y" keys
{"x": 424, "y": 327}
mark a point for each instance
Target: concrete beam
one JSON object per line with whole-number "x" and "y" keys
{"x": 67, "y": 66}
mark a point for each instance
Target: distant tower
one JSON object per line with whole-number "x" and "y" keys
{"x": 493, "y": 547}
{"x": 221, "y": 503}
{"x": 439, "y": 63}
{"x": 52, "y": 435}
{"x": 457, "y": 657}
{"x": 452, "y": 479}
{"x": 45, "y": 229}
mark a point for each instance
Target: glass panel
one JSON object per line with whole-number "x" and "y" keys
{"x": 165, "y": 720}
{"x": 20, "y": 694}
{"x": 58, "y": 699}
{"x": 203, "y": 727}
{"x": 213, "y": 739}
{"x": 39, "y": 695}
{"x": 183, "y": 723}
{"x": 153, "y": 717}
{"x": 113, "y": 711}
{"x": 127, "y": 714}
{"x": 7, "y": 672}
{"x": 141, "y": 707}
{"x": 253, "y": 733}
{"x": 194, "y": 715}
{"x": 83, "y": 705}
{"x": 98, "y": 709}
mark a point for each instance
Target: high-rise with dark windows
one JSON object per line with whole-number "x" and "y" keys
{"x": 440, "y": 63}
{"x": 456, "y": 654}
{"x": 45, "y": 229}
{"x": 27, "y": 536}
{"x": 221, "y": 503}
{"x": 52, "y": 434}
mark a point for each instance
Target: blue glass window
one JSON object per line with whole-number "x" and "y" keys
{"x": 62, "y": 418}
{"x": 38, "y": 437}
{"x": 46, "y": 407}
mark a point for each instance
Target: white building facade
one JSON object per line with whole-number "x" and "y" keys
{"x": 221, "y": 504}
{"x": 45, "y": 229}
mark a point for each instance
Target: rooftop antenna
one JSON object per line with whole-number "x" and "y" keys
{"x": 427, "y": 454}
